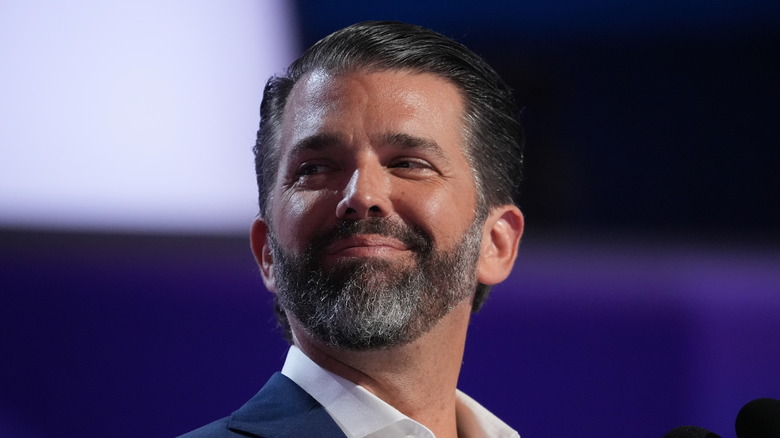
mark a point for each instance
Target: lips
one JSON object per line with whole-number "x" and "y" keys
{"x": 373, "y": 237}
{"x": 365, "y": 245}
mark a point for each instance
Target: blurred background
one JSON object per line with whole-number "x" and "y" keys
{"x": 647, "y": 291}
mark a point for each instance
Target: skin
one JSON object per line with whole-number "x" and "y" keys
{"x": 389, "y": 144}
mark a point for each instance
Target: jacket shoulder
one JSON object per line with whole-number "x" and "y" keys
{"x": 281, "y": 409}
{"x": 216, "y": 429}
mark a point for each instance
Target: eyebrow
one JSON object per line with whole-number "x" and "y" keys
{"x": 317, "y": 142}
{"x": 321, "y": 141}
{"x": 406, "y": 141}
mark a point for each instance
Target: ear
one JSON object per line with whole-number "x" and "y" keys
{"x": 262, "y": 251}
{"x": 500, "y": 241}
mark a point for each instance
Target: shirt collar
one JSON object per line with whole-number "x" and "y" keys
{"x": 360, "y": 413}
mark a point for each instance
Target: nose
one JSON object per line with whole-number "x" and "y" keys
{"x": 365, "y": 195}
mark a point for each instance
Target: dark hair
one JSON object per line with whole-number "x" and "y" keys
{"x": 493, "y": 136}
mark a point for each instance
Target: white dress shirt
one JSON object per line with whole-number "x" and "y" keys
{"x": 360, "y": 413}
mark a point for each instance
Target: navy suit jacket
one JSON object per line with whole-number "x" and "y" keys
{"x": 282, "y": 409}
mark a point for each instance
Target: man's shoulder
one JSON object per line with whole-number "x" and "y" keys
{"x": 216, "y": 429}
{"x": 281, "y": 409}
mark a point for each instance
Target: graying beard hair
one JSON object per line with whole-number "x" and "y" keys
{"x": 376, "y": 305}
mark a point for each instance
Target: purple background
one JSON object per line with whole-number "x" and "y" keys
{"x": 155, "y": 335}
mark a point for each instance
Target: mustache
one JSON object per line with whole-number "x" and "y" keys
{"x": 413, "y": 237}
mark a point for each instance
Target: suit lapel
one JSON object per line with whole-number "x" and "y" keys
{"x": 283, "y": 409}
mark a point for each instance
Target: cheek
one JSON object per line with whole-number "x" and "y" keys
{"x": 442, "y": 214}
{"x": 301, "y": 215}
{"x": 296, "y": 207}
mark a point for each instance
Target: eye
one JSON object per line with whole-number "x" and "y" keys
{"x": 412, "y": 167}
{"x": 309, "y": 174}
{"x": 309, "y": 169}
{"x": 410, "y": 163}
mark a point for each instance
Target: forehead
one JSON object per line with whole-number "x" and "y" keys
{"x": 364, "y": 103}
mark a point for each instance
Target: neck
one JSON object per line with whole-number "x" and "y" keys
{"x": 418, "y": 379}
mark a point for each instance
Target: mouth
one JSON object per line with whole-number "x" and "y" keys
{"x": 366, "y": 245}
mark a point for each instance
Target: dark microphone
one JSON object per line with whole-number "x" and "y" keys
{"x": 690, "y": 432}
{"x": 759, "y": 419}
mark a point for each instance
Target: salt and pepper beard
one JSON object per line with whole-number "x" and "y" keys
{"x": 371, "y": 304}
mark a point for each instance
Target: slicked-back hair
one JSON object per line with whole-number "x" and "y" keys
{"x": 493, "y": 136}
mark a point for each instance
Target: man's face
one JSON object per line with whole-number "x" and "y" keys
{"x": 373, "y": 233}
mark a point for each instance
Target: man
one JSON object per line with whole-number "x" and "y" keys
{"x": 388, "y": 162}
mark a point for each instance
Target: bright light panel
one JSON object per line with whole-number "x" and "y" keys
{"x": 135, "y": 116}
